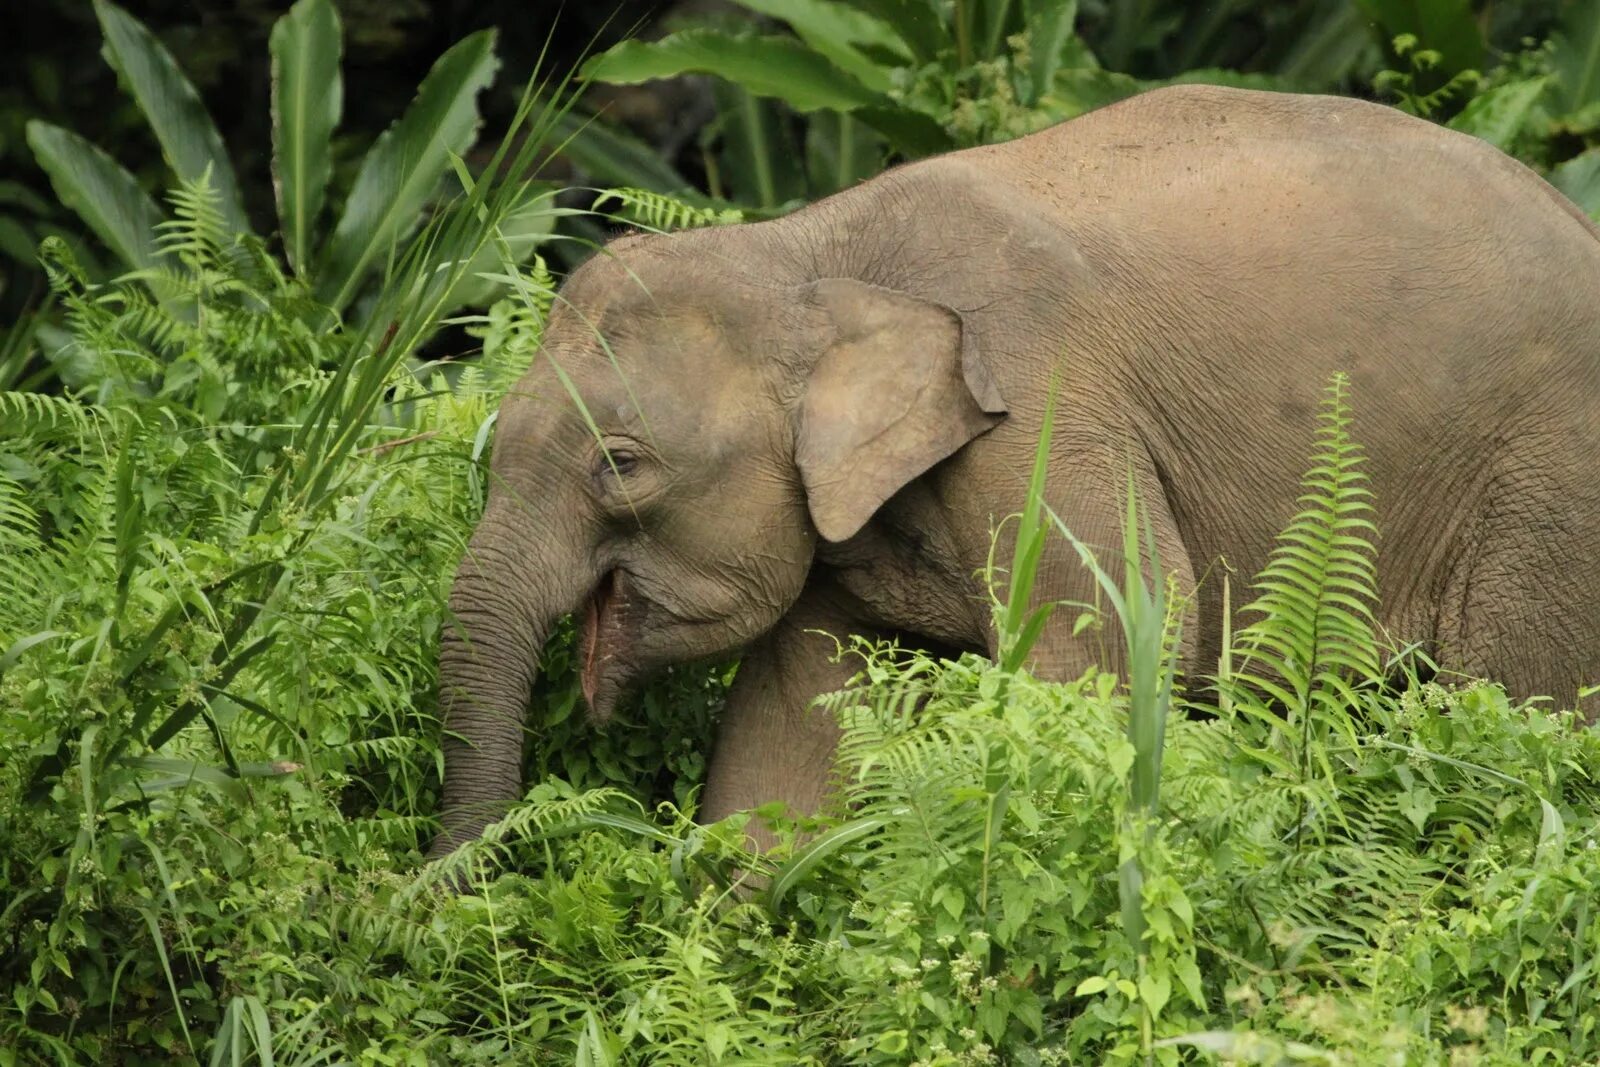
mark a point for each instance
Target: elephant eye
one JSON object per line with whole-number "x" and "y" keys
{"x": 616, "y": 463}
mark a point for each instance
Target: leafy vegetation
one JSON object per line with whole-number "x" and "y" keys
{"x": 400, "y": 176}
{"x": 231, "y": 503}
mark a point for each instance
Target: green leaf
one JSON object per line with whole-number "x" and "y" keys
{"x": 921, "y": 24}
{"x": 911, "y": 132}
{"x": 101, "y": 191}
{"x": 1091, "y": 985}
{"x": 838, "y": 31}
{"x": 189, "y": 140}
{"x": 1050, "y": 33}
{"x": 1499, "y": 114}
{"x": 1579, "y": 179}
{"x": 307, "y": 97}
{"x": 766, "y": 66}
{"x": 1575, "y": 57}
{"x": 402, "y": 171}
{"x": 807, "y": 859}
{"x": 1155, "y": 990}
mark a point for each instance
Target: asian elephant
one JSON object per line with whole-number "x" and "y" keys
{"x": 736, "y": 437}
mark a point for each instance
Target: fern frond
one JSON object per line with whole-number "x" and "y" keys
{"x": 42, "y": 416}
{"x": 660, "y": 211}
{"x": 197, "y": 234}
{"x": 1314, "y": 637}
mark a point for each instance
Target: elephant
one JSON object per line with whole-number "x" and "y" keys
{"x": 759, "y": 438}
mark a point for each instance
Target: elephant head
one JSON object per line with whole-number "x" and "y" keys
{"x": 697, "y": 418}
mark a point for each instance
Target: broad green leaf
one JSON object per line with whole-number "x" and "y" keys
{"x": 1050, "y": 38}
{"x": 188, "y": 139}
{"x": 1448, "y": 27}
{"x": 919, "y": 23}
{"x": 402, "y": 171}
{"x": 1575, "y": 57}
{"x": 767, "y": 66}
{"x": 1579, "y": 179}
{"x": 910, "y": 132}
{"x": 307, "y": 96}
{"x": 838, "y": 32}
{"x": 803, "y": 862}
{"x": 609, "y": 156}
{"x": 1499, "y": 114}
{"x": 100, "y": 190}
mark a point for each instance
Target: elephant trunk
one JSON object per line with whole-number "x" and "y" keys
{"x": 488, "y": 657}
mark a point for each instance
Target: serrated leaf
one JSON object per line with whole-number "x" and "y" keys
{"x": 765, "y": 65}
{"x": 101, "y": 191}
{"x": 307, "y": 98}
{"x": 189, "y": 140}
{"x": 402, "y": 171}
{"x": 838, "y": 31}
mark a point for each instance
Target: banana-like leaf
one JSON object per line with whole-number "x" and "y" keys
{"x": 403, "y": 169}
{"x": 1050, "y": 37}
{"x": 911, "y": 132}
{"x": 838, "y": 32}
{"x": 919, "y": 23}
{"x": 1575, "y": 59}
{"x": 307, "y": 96}
{"x": 101, "y": 191}
{"x": 767, "y": 66}
{"x": 188, "y": 139}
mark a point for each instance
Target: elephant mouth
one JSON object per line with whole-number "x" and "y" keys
{"x": 602, "y": 672}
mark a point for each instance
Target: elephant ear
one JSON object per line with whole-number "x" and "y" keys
{"x": 899, "y": 388}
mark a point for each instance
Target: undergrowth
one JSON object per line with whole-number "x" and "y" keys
{"x": 225, "y": 560}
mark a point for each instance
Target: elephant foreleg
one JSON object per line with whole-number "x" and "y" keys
{"x": 772, "y": 744}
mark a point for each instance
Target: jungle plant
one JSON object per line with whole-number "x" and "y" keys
{"x": 399, "y": 178}
{"x": 1540, "y": 103}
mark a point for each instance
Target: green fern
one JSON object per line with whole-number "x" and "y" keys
{"x": 512, "y": 328}
{"x": 1317, "y": 592}
{"x": 1314, "y": 640}
{"x": 659, "y": 211}
{"x": 197, "y": 235}
{"x": 42, "y": 416}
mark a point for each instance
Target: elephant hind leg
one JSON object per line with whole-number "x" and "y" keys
{"x": 1518, "y": 609}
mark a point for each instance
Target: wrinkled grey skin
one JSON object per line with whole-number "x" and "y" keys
{"x": 819, "y": 420}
